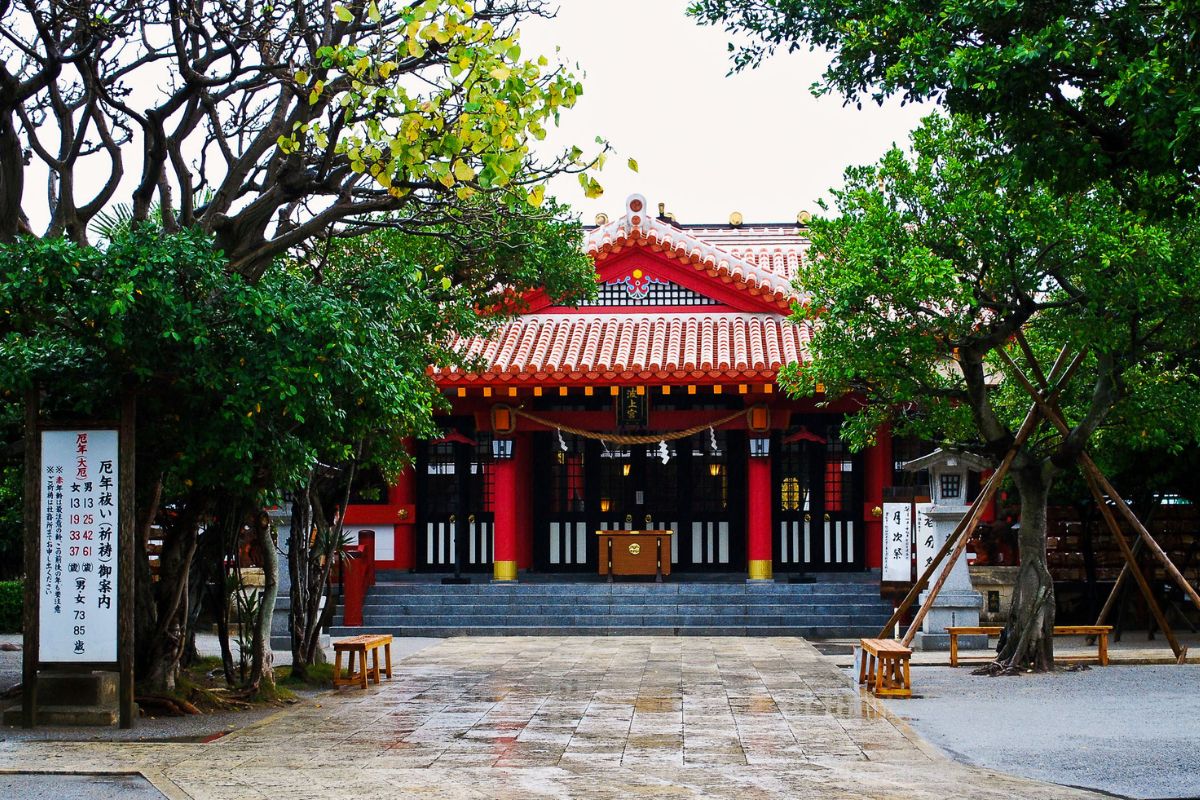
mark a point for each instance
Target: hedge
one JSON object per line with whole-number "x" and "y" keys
{"x": 11, "y": 603}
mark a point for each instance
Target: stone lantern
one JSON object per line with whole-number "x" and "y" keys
{"x": 957, "y": 603}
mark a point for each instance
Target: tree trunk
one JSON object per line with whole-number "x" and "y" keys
{"x": 299, "y": 551}
{"x": 262, "y": 675}
{"x": 165, "y": 647}
{"x": 1029, "y": 641}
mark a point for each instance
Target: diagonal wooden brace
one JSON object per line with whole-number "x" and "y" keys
{"x": 1100, "y": 487}
{"x": 967, "y": 525}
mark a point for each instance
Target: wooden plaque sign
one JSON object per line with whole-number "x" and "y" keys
{"x": 632, "y": 407}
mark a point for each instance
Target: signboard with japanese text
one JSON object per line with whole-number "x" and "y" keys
{"x": 927, "y": 544}
{"x": 633, "y": 410}
{"x": 78, "y": 546}
{"x": 897, "y": 542}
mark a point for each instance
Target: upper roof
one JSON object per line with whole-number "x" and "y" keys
{"x": 759, "y": 260}
{"x": 678, "y": 303}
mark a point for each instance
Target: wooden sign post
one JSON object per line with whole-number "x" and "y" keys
{"x": 78, "y": 552}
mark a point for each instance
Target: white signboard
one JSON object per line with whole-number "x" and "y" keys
{"x": 897, "y": 542}
{"x": 927, "y": 544}
{"x": 78, "y": 545}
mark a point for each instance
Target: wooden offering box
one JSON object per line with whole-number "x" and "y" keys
{"x": 635, "y": 553}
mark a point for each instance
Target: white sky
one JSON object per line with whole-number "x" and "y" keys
{"x": 706, "y": 144}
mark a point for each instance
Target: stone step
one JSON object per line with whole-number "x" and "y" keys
{"x": 615, "y": 589}
{"x": 378, "y": 612}
{"x": 813, "y": 632}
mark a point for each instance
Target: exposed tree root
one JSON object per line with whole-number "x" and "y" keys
{"x": 166, "y": 706}
{"x": 997, "y": 669}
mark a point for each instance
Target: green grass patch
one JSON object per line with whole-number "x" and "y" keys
{"x": 320, "y": 676}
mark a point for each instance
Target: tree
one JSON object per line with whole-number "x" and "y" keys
{"x": 246, "y": 388}
{"x": 1079, "y": 91}
{"x": 218, "y": 148}
{"x": 273, "y": 125}
{"x": 936, "y": 262}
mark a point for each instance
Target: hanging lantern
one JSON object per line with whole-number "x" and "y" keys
{"x": 758, "y": 418}
{"x": 504, "y": 421}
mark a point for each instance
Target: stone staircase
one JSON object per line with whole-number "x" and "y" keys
{"x": 832, "y": 607}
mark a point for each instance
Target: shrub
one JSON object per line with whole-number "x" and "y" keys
{"x": 11, "y": 603}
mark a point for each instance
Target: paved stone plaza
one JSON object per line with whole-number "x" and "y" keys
{"x": 565, "y": 717}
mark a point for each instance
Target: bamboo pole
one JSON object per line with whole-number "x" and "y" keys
{"x": 985, "y": 495}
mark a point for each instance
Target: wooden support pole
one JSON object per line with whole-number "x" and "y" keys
{"x": 1111, "y": 600}
{"x": 31, "y": 508}
{"x": 984, "y": 497}
{"x": 964, "y": 535}
{"x": 1132, "y": 565}
{"x": 1100, "y": 487}
{"x": 1132, "y": 519}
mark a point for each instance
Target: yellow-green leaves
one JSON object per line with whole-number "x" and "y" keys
{"x": 633, "y": 165}
{"x": 437, "y": 97}
{"x": 591, "y": 187}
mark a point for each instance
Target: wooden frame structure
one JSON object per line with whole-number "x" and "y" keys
{"x": 1045, "y": 408}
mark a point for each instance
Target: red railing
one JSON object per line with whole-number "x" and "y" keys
{"x": 358, "y": 575}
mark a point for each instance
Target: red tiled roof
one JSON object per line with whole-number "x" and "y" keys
{"x": 703, "y": 343}
{"x": 762, "y": 260}
{"x": 558, "y": 347}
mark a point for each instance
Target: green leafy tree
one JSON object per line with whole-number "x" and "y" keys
{"x": 1079, "y": 91}
{"x": 936, "y": 261}
{"x": 243, "y": 387}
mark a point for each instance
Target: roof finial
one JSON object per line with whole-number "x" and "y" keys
{"x": 601, "y": 219}
{"x": 735, "y": 219}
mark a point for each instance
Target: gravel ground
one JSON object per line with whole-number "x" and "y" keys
{"x": 1132, "y": 731}
{"x": 158, "y": 729}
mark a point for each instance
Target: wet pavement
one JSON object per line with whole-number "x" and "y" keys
{"x": 588, "y": 717}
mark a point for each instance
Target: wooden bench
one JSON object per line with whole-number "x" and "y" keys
{"x": 884, "y": 668}
{"x": 360, "y": 646}
{"x": 1099, "y": 631}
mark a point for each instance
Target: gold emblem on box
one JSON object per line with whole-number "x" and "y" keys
{"x": 635, "y": 548}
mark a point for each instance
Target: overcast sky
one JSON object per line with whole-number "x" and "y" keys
{"x": 706, "y": 144}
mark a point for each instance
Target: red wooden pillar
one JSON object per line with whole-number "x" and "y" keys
{"x": 758, "y": 518}
{"x": 524, "y": 458}
{"x": 403, "y": 497}
{"x": 504, "y": 550}
{"x": 879, "y": 474}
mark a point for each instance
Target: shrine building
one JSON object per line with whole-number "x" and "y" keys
{"x": 652, "y": 406}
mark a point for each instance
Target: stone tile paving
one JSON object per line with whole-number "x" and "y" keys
{"x": 589, "y": 717}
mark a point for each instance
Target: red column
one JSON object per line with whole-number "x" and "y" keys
{"x": 879, "y": 474}
{"x": 504, "y": 555}
{"x": 524, "y": 456}
{"x": 403, "y": 497}
{"x": 758, "y": 519}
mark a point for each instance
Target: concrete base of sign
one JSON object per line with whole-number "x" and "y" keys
{"x": 74, "y": 698}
